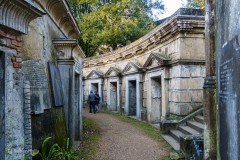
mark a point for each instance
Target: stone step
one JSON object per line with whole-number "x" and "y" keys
{"x": 199, "y": 119}
{"x": 176, "y": 134}
{"x": 173, "y": 142}
{"x": 196, "y": 125}
{"x": 188, "y": 130}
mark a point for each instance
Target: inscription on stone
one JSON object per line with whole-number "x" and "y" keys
{"x": 56, "y": 84}
{"x": 229, "y": 101}
{"x": 35, "y": 73}
{"x": 78, "y": 66}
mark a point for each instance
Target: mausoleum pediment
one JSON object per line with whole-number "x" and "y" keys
{"x": 132, "y": 67}
{"x": 113, "y": 72}
{"x": 94, "y": 74}
{"x": 156, "y": 60}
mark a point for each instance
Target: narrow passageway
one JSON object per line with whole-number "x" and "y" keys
{"x": 123, "y": 141}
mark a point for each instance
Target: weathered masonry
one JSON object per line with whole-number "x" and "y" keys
{"x": 158, "y": 77}
{"x": 40, "y": 76}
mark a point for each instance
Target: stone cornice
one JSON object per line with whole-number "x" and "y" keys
{"x": 17, "y": 14}
{"x": 116, "y": 72}
{"x": 156, "y": 60}
{"x": 95, "y": 74}
{"x": 180, "y": 22}
{"x": 64, "y": 48}
{"x": 59, "y": 12}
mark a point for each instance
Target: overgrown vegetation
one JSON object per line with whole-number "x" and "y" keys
{"x": 55, "y": 152}
{"x": 195, "y": 4}
{"x": 91, "y": 135}
{"x": 109, "y": 24}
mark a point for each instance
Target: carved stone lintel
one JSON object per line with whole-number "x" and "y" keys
{"x": 17, "y": 14}
{"x": 64, "y": 48}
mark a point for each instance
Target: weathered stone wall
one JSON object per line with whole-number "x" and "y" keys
{"x": 38, "y": 49}
{"x": 25, "y": 58}
{"x": 185, "y": 88}
{"x": 12, "y": 125}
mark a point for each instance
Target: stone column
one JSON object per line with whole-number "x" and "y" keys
{"x": 67, "y": 73}
{"x": 209, "y": 88}
{"x": 164, "y": 85}
{"x": 141, "y": 97}
{"x": 119, "y": 94}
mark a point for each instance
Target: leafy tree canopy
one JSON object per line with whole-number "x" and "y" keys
{"x": 195, "y": 4}
{"x": 108, "y": 24}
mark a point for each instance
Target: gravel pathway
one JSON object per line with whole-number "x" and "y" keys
{"x": 123, "y": 141}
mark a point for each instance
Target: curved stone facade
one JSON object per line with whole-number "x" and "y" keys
{"x": 161, "y": 73}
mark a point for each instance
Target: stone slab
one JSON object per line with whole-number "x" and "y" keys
{"x": 35, "y": 73}
{"x": 56, "y": 84}
{"x": 229, "y": 92}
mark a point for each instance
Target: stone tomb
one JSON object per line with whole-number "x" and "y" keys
{"x": 35, "y": 73}
{"x": 113, "y": 96}
{"x": 56, "y": 84}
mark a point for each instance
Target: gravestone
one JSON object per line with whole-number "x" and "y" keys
{"x": 56, "y": 84}
{"x": 229, "y": 101}
{"x": 35, "y": 73}
{"x": 2, "y": 107}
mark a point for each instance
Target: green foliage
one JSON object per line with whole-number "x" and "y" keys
{"x": 67, "y": 151}
{"x": 55, "y": 152}
{"x": 106, "y": 24}
{"x": 195, "y": 4}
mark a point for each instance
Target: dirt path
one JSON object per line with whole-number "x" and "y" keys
{"x": 122, "y": 141}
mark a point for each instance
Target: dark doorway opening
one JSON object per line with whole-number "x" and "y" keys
{"x": 94, "y": 87}
{"x": 132, "y": 98}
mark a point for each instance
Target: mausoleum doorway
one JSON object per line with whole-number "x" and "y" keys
{"x": 132, "y": 98}
{"x": 156, "y": 98}
{"x": 94, "y": 87}
{"x": 113, "y": 96}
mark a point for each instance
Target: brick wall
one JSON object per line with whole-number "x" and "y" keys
{"x": 12, "y": 40}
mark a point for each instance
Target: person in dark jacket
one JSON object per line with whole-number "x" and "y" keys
{"x": 97, "y": 100}
{"x": 91, "y": 102}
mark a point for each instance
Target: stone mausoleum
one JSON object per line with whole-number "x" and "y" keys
{"x": 40, "y": 76}
{"x": 160, "y": 75}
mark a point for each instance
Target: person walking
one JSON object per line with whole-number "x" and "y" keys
{"x": 97, "y": 100}
{"x": 91, "y": 102}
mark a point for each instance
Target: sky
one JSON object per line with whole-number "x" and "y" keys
{"x": 171, "y": 6}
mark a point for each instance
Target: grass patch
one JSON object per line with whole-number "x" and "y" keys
{"x": 91, "y": 135}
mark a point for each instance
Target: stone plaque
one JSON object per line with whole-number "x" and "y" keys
{"x": 56, "y": 84}
{"x": 35, "y": 73}
{"x": 229, "y": 99}
{"x": 78, "y": 66}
